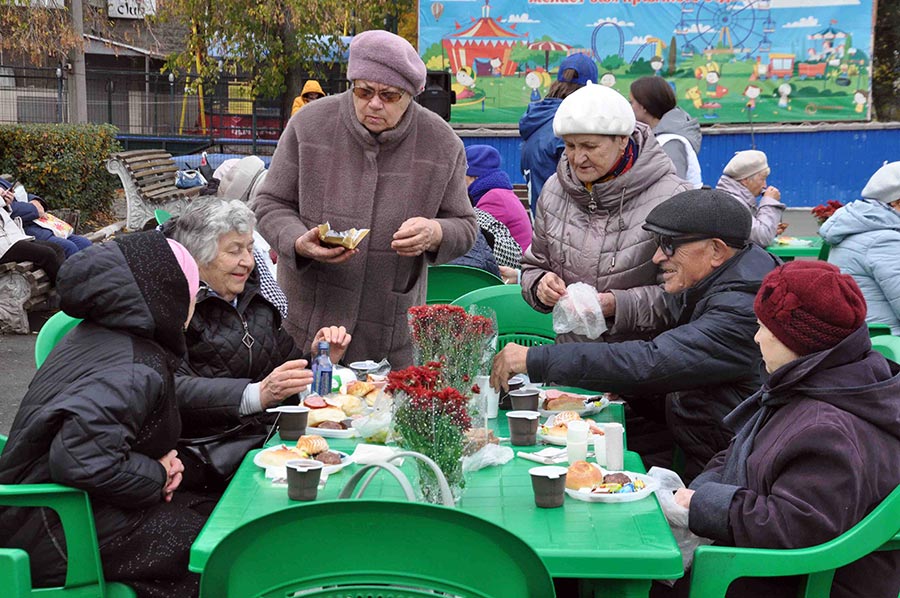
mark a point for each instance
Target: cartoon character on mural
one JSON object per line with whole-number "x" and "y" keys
{"x": 694, "y": 95}
{"x": 465, "y": 83}
{"x": 751, "y": 93}
{"x": 784, "y": 95}
{"x": 713, "y": 89}
{"x": 495, "y": 67}
{"x": 533, "y": 81}
{"x": 860, "y": 99}
{"x": 656, "y": 63}
{"x": 608, "y": 79}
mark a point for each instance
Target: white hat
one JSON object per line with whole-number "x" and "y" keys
{"x": 243, "y": 179}
{"x": 884, "y": 184}
{"x": 746, "y": 164}
{"x": 594, "y": 110}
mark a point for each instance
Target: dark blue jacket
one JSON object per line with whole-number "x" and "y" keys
{"x": 480, "y": 256}
{"x": 28, "y": 212}
{"x": 541, "y": 149}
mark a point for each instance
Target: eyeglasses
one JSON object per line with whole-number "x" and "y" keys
{"x": 668, "y": 244}
{"x": 385, "y": 95}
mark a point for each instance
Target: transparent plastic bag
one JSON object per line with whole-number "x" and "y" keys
{"x": 376, "y": 426}
{"x": 677, "y": 516}
{"x": 488, "y": 455}
{"x": 579, "y": 312}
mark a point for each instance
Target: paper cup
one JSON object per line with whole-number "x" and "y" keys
{"x": 303, "y": 477}
{"x": 549, "y": 484}
{"x": 292, "y": 421}
{"x": 490, "y": 396}
{"x": 515, "y": 383}
{"x": 523, "y": 427}
{"x": 524, "y": 399}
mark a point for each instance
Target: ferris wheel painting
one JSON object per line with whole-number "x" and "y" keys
{"x": 742, "y": 29}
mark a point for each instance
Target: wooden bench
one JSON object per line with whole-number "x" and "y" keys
{"x": 148, "y": 177}
{"x": 23, "y": 288}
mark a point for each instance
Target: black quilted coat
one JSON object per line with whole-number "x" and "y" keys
{"x": 228, "y": 347}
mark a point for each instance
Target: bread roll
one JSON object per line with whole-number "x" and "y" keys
{"x": 582, "y": 474}
{"x": 352, "y": 405}
{"x": 327, "y": 414}
{"x": 559, "y": 431}
{"x": 564, "y": 417}
{"x": 564, "y": 403}
{"x": 278, "y": 457}
{"x": 359, "y": 388}
{"x": 312, "y": 444}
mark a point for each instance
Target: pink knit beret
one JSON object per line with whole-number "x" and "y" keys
{"x": 382, "y": 57}
{"x": 188, "y": 266}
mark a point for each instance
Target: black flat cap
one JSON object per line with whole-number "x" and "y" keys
{"x": 710, "y": 212}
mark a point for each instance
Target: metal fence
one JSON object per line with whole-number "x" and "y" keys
{"x": 32, "y": 95}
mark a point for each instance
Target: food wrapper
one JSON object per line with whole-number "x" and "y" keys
{"x": 348, "y": 238}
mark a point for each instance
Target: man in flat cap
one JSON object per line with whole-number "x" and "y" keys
{"x": 708, "y": 362}
{"x": 366, "y": 158}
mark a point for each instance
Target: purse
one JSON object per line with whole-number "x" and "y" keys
{"x": 210, "y": 462}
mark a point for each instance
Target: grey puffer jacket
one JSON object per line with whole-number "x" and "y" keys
{"x": 219, "y": 364}
{"x": 766, "y": 215}
{"x": 101, "y": 410}
{"x": 595, "y": 237}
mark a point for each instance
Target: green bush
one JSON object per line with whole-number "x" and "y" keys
{"x": 64, "y": 164}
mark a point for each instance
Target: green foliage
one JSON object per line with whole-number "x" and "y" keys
{"x": 612, "y": 62}
{"x": 64, "y": 164}
{"x": 640, "y": 68}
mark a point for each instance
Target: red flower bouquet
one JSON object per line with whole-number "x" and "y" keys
{"x": 823, "y": 212}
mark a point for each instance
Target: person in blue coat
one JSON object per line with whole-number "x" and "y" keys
{"x": 541, "y": 149}
{"x": 31, "y": 210}
{"x": 865, "y": 240}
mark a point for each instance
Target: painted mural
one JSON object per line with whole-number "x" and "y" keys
{"x": 740, "y": 61}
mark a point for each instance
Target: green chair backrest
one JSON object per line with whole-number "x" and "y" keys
{"x": 51, "y": 333}
{"x": 887, "y": 345}
{"x": 15, "y": 577}
{"x": 373, "y": 548}
{"x": 514, "y": 315}
{"x": 824, "y": 251}
{"x": 447, "y": 282}
{"x": 161, "y": 215}
{"x": 715, "y": 567}
{"x": 879, "y": 330}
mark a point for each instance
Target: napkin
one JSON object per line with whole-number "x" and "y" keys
{"x": 548, "y": 456}
{"x": 364, "y": 454}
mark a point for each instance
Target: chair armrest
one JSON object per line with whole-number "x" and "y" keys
{"x": 15, "y": 573}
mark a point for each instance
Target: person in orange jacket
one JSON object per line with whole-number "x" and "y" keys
{"x": 311, "y": 91}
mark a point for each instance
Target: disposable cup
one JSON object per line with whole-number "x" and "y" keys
{"x": 303, "y": 477}
{"x": 292, "y": 421}
{"x": 490, "y": 396}
{"x": 524, "y": 399}
{"x": 523, "y": 427}
{"x": 549, "y": 484}
{"x": 514, "y": 383}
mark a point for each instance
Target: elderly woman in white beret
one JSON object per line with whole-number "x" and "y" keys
{"x": 745, "y": 177}
{"x": 367, "y": 158}
{"x": 588, "y": 225}
{"x": 865, "y": 240}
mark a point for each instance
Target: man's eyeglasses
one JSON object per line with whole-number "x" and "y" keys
{"x": 385, "y": 95}
{"x": 668, "y": 244}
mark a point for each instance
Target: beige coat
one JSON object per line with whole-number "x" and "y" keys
{"x": 606, "y": 247}
{"x": 328, "y": 167}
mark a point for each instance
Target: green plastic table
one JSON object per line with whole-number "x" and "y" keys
{"x": 790, "y": 252}
{"x": 616, "y": 548}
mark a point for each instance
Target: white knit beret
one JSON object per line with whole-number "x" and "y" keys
{"x": 884, "y": 184}
{"x": 746, "y": 164}
{"x": 594, "y": 110}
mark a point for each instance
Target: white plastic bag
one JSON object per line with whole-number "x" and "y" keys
{"x": 579, "y": 311}
{"x": 676, "y": 515}
{"x": 376, "y": 426}
{"x": 489, "y": 454}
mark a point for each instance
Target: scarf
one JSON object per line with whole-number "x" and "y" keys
{"x": 496, "y": 179}
{"x": 624, "y": 164}
{"x": 748, "y": 418}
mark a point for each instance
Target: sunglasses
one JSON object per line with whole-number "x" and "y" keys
{"x": 385, "y": 95}
{"x": 668, "y": 244}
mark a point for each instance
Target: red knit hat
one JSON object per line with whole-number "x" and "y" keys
{"x": 809, "y": 305}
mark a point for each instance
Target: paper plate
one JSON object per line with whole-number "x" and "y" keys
{"x": 345, "y": 461}
{"x": 587, "y": 496}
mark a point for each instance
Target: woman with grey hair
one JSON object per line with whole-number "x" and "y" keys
{"x": 239, "y": 361}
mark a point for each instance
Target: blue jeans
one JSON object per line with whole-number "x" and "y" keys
{"x": 73, "y": 244}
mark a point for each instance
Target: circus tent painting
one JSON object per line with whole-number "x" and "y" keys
{"x": 485, "y": 40}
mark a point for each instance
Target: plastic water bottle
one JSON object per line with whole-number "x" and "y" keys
{"x": 322, "y": 369}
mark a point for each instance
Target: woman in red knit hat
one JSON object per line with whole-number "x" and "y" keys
{"x": 816, "y": 448}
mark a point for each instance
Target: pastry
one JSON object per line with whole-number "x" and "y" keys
{"x": 349, "y": 404}
{"x": 582, "y": 474}
{"x": 348, "y": 238}
{"x": 477, "y": 438}
{"x": 564, "y": 417}
{"x": 280, "y": 456}
{"x": 312, "y": 444}
{"x": 327, "y": 414}
{"x": 329, "y": 458}
{"x": 559, "y": 431}
{"x": 564, "y": 402}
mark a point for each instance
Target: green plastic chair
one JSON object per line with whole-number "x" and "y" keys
{"x": 51, "y": 333}
{"x": 887, "y": 345}
{"x": 878, "y": 330}
{"x": 824, "y": 251}
{"x": 715, "y": 567}
{"x": 447, "y": 282}
{"x": 516, "y": 320}
{"x": 373, "y": 548}
{"x": 161, "y": 215}
{"x": 84, "y": 575}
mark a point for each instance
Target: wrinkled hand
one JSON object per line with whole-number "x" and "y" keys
{"x": 309, "y": 246}
{"x": 416, "y": 236}
{"x": 683, "y": 497}
{"x": 509, "y": 275}
{"x": 337, "y": 338}
{"x": 8, "y": 196}
{"x": 174, "y": 471}
{"x": 39, "y": 206}
{"x": 551, "y": 289}
{"x": 607, "y": 304}
{"x": 772, "y": 192}
{"x": 782, "y": 226}
{"x": 511, "y": 360}
{"x": 287, "y": 379}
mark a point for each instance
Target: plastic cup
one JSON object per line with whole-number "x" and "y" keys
{"x": 292, "y": 421}
{"x": 524, "y": 399}
{"x": 549, "y": 484}
{"x": 303, "y": 477}
{"x": 490, "y": 396}
{"x": 515, "y": 383}
{"x": 523, "y": 427}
